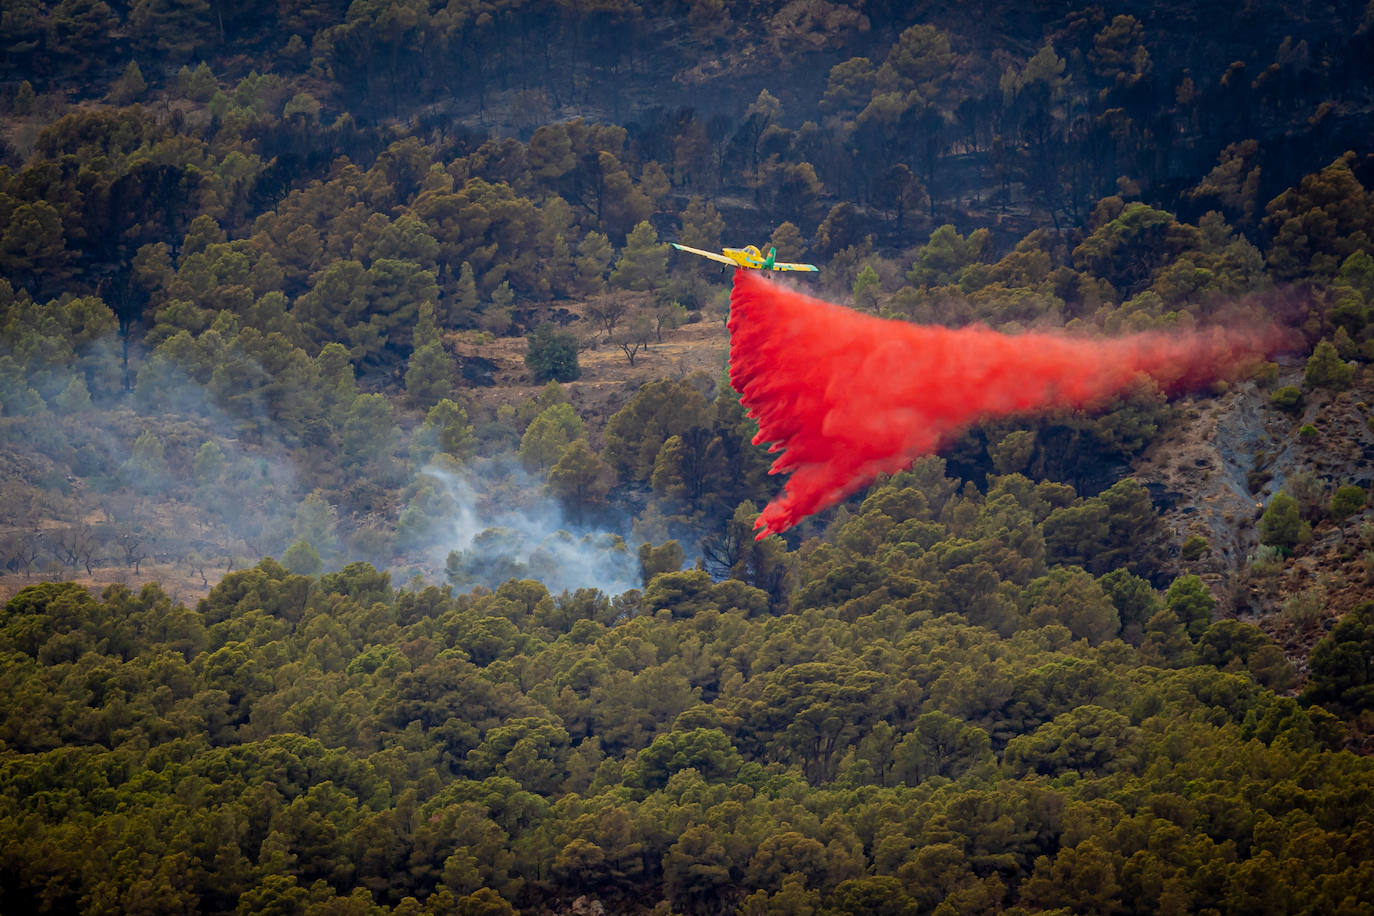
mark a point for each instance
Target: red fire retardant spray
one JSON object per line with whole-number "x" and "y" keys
{"x": 843, "y": 397}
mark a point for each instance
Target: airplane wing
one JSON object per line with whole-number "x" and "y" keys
{"x": 713, "y": 255}
{"x": 782, "y": 265}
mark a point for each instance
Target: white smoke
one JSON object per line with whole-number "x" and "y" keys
{"x": 493, "y": 522}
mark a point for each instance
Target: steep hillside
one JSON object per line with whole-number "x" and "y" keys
{"x": 1215, "y": 470}
{"x": 608, "y": 376}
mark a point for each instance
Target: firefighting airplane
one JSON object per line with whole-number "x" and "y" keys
{"x": 749, "y": 256}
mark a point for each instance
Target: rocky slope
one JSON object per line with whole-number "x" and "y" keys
{"x": 1215, "y": 471}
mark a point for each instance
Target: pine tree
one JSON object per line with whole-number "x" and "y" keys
{"x": 643, "y": 264}
{"x": 146, "y": 467}
{"x": 75, "y": 397}
{"x": 497, "y": 317}
{"x": 867, "y": 287}
{"x": 426, "y": 327}
{"x": 702, "y": 226}
{"x": 302, "y": 559}
{"x": 315, "y": 523}
{"x": 666, "y": 479}
{"x": 552, "y": 355}
{"x": 1281, "y": 525}
{"x": 594, "y": 257}
{"x": 1326, "y": 369}
{"x": 560, "y": 269}
{"x": 580, "y": 478}
{"x": 548, "y": 435}
{"x": 463, "y": 311}
{"x": 209, "y": 465}
{"x": 446, "y": 427}
{"x": 130, "y": 86}
{"x": 431, "y": 374}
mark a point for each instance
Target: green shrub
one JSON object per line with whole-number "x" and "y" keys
{"x": 1347, "y": 500}
{"x": 552, "y": 355}
{"x": 1266, "y": 374}
{"x": 1326, "y": 369}
{"x": 1287, "y": 398}
{"x": 1281, "y": 526}
{"x": 1195, "y": 548}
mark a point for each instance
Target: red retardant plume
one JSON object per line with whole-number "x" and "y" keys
{"x": 845, "y": 396}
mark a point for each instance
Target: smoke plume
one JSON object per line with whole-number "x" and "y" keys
{"x": 492, "y": 522}
{"x": 844, "y": 397}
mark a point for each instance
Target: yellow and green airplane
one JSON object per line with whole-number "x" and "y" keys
{"x": 748, "y": 256}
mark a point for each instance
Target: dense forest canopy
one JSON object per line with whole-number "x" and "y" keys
{"x": 377, "y": 530}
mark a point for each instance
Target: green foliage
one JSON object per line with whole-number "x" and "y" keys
{"x": 1357, "y": 273}
{"x": 1128, "y": 250}
{"x": 702, "y": 226}
{"x": 947, "y": 253}
{"x": 446, "y": 427}
{"x": 302, "y": 559}
{"x": 1347, "y": 500}
{"x": 1116, "y": 527}
{"x": 17, "y": 399}
{"x": 1326, "y": 369}
{"x": 1288, "y": 398}
{"x": 54, "y": 350}
{"x": 552, "y": 355}
{"x": 1012, "y": 452}
{"x": 667, "y": 557}
{"x": 1134, "y": 599}
{"x": 315, "y": 526}
{"x": 1071, "y": 597}
{"x": 594, "y": 256}
{"x": 917, "y": 765}
{"x": 496, "y": 319}
{"x": 1280, "y": 524}
{"x": 130, "y": 86}
{"x": 1087, "y": 739}
{"x": 370, "y": 309}
{"x": 431, "y": 375}
{"x": 24, "y": 98}
{"x": 368, "y": 435}
{"x": 1319, "y": 223}
{"x": 636, "y": 433}
{"x": 548, "y": 436}
{"x": 463, "y": 309}
{"x": 867, "y": 288}
{"x": 146, "y": 467}
{"x": 1232, "y": 645}
{"x": 939, "y": 745}
{"x": 707, "y": 751}
{"x": 1195, "y": 548}
{"x": 197, "y": 84}
{"x": 75, "y": 397}
{"x": 1342, "y": 664}
{"x": 1191, "y": 601}
{"x": 666, "y": 479}
{"x": 580, "y": 478}
{"x": 643, "y": 264}
{"x": 209, "y": 464}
